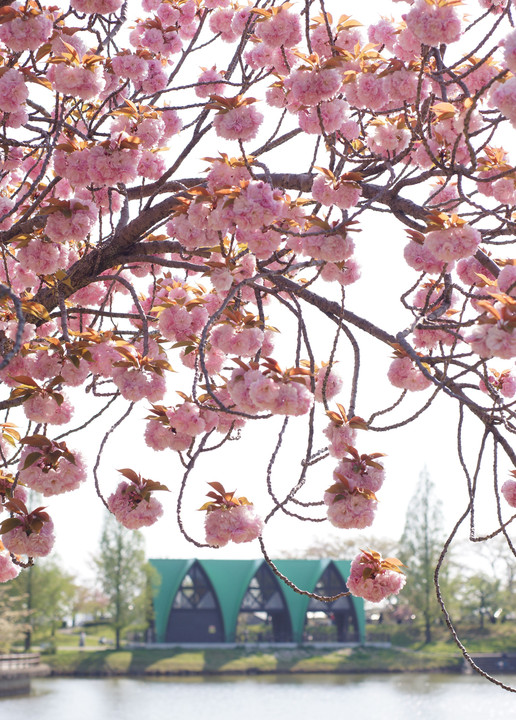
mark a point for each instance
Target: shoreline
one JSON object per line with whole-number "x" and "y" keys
{"x": 239, "y": 661}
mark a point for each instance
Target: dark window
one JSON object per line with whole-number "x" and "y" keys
{"x": 195, "y": 615}
{"x": 195, "y": 591}
{"x": 263, "y": 613}
{"x": 331, "y": 621}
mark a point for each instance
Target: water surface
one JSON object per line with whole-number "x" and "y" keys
{"x": 361, "y": 697}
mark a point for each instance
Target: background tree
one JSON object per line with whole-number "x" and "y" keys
{"x": 482, "y": 598}
{"x": 121, "y": 572}
{"x": 419, "y": 549}
{"x": 46, "y": 592}
{"x": 14, "y": 624}
{"x": 342, "y": 547}
{"x": 88, "y": 601}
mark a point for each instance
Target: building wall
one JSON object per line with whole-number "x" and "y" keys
{"x": 230, "y": 579}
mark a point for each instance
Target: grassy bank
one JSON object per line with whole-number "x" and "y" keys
{"x": 408, "y": 653}
{"x": 177, "y": 661}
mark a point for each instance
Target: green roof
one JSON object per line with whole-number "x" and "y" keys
{"x": 230, "y": 580}
{"x": 171, "y": 573}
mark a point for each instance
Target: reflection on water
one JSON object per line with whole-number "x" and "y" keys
{"x": 275, "y": 697}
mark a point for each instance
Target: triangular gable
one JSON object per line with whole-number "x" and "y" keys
{"x": 305, "y": 575}
{"x": 171, "y": 573}
{"x": 344, "y": 568}
{"x": 230, "y": 580}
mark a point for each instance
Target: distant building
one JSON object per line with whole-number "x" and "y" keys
{"x": 203, "y": 601}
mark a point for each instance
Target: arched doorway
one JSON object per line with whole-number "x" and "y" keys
{"x": 331, "y": 622}
{"x": 195, "y": 615}
{"x": 263, "y": 615}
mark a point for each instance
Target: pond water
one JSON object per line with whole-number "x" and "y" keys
{"x": 362, "y": 697}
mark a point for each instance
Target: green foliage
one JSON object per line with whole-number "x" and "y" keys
{"x": 13, "y": 620}
{"x": 46, "y": 593}
{"x": 420, "y": 547}
{"x": 122, "y": 576}
{"x": 482, "y": 598}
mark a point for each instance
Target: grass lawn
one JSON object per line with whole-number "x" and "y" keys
{"x": 407, "y": 653}
{"x": 177, "y": 661}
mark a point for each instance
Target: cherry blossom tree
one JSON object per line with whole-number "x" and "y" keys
{"x": 182, "y": 185}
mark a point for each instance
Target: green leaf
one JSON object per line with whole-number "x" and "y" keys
{"x": 31, "y": 459}
{"x": 9, "y": 524}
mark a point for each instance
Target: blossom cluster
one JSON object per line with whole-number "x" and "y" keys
{"x": 125, "y": 267}
{"x": 229, "y": 518}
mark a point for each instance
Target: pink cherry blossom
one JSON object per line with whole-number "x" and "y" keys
{"x": 328, "y": 384}
{"x": 376, "y": 585}
{"x": 504, "y": 383}
{"x": 210, "y": 83}
{"x": 178, "y": 323}
{"x": 508, "y": 490}
{"x": 429, "y": 338}
{"x": 48, "y": 480}
{"x": 238, "y": 524}
{"x": 507, "y": 279}
{"x": 42, "y": 256}
{"x": 343, "y": 273}
{"x": 27, "y": 32}
{"x": 75, "y": 225}
{"x": 109, "y": 167}
{"x": 239, "y": 123}
{"x": 343, "y": 194}
{"x": 383, "y": 33}
{"x": 503, "y": 98}
{"x": 352, "y": 510}
{"x": 220, "y": 22}
{"x": 433, "y": 23}
{"x": 130, "y": 66}
{"x": 468, "y": 270}
{"x": 35, "y": 544}
{"x": 339, "y": 436}
{"x": 333, "y": 248}
{"x": 258, "y": 205}
{"x": 282, "y": 29}
{"x": 44, "y": 408}
{"x": 358, "y": 477}
{"x": 156, "y": 77}
{"x": 240, "y": 20}
{"x": 496, "y": 6}
{"x": 151, "y": 165}
{"x": 159, "y": 436}
{"x": 102, "y": 7}
{"x": 13, "y": 90}
{"x": 137, "y": 384}
{"x": 492, "y": 341}
{"x": 311, "y": 88}
{"x": 421, "y": 259}
{"x": 403, "y": 373}
{"x": 453, "y": 243}
{"x": 245, "y": 342}
{"x": 8, "y": 570}
{"x": 131, "y": 509}
{"x": 82, "y": 82}
{"x": 388, "y": 140}
{"x": 371, "y": 92}
{"x": 187, "y": 419}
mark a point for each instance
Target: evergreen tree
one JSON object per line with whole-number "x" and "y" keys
{"x": 420, "y": 546}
